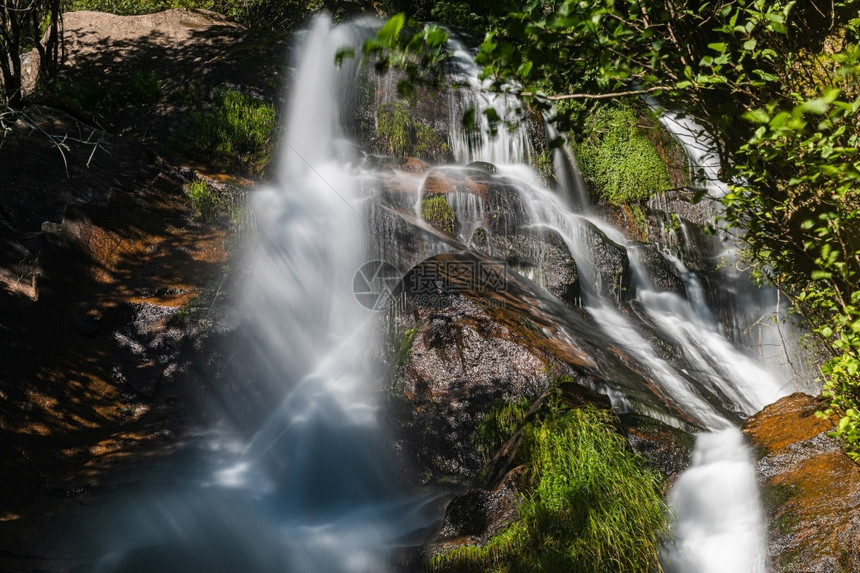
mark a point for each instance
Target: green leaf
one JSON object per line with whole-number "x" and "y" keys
{"x": 750, "y": 45}
{"x": 718, "y": 47}
{"x": 435, "y": 37}
{"x": 391, "y": 29}
{"x": 757, "y": 116}
{"x": 816, "y": 106}
{"x": 524, "y": 69}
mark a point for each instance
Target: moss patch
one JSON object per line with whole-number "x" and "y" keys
{"x": 436, "y": 211}
{"x": 617, "y": 158}
{"x": 399, "y": 134}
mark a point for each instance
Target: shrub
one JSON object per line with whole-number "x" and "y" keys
{"x": 102, "y": 97}
{"x": 204, "y": 201}
{"x": 260, "y": 14}
{"x": 591, "y": 504}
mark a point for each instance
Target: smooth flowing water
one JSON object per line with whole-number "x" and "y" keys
{"x": 313, "y": 487}
{"x": 719, "y": 525}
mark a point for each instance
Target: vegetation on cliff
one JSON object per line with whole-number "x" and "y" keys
{"x": 616, "y": 157}
{"x": 590, "y": 505}
{"x": 774, "y": 83}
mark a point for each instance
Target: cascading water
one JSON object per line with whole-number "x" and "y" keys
{"x": 474, "y": 99}
{"x": 311, "y": 489}
{"x": 719, "y": 523}
{"x": 320, "y": 456}
{"x": 754, "y": 317}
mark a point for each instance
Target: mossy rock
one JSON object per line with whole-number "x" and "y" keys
{"x": 436, "y": 211}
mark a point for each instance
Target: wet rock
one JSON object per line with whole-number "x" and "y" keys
{"x": 148, "y": 345}
{"x": 810, "y": 488}
{"x": 665, "y": 448}
{"x": 414, "y": 165}
{"x": 541, "y": 255}
{"x": 663, "y": 274}
{"x": 483, "y": 166}
{"x": 476, "y": 515}
{"x": 399, "y": 238}
{"x": 460, "y": 363}
{"x": 505, "y": 209}
{"x": 613, "y": 276}
{"x": 442, "y": 181}
{"x": 473, "y": 344}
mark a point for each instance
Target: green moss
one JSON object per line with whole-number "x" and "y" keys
{"x": 542, "y": 162}
{"x": 436, "y": 211}
{"x": 616, "y": 157}
{"x": 399, "y": 135}
{"x": 237, "y": 133}
{"x": 591, "y": 504}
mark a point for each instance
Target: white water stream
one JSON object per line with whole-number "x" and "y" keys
{"x": 312, "y": 490}
{"x": 719, "y": 523}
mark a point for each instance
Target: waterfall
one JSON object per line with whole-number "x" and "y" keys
{"x": 755, "y": 317}
{"x": 320, "y": 457}
{"x": 719, "y": 523}
{"x": 473, "y": 97}
{"x": 312, "y": 486}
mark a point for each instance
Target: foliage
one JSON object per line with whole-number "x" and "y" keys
{"x": 475, "y": 16}
{"x": 131, "y": 7}
{"x": 436, "y": 211}
{"x": 418, "y": 52}
{"x": 591, "y": 504}
{"x": 775, "y": 83}
{"x": 227, "y": 202}
{"x": 399, "y": 134}
{"x": 617, "y": 158}
{"x": 26, "y": 25}
{"x": 101, "y": 97}
{"x": 237, "y": 133}
{"x": 258, "y": 14}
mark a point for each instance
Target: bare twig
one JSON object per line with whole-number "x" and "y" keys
{"x": 595, "y": 96}
{"x": 60, "y": 141}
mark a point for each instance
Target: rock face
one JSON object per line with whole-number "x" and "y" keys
{"x": 612, "y": 278}
{"x": 811, "y": 490}
{"x": 665, "y": 277}
{"x": 463, "y": 347}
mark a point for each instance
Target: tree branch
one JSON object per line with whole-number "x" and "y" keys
{"x": 596, "y": 96}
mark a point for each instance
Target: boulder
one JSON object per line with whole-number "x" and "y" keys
{"x": 810, "y": 488}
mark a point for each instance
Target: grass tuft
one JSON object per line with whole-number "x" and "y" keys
{"x": 437, "y": 211}
{"x": 237, "y": 133}
{"x": 592, "y": 505}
